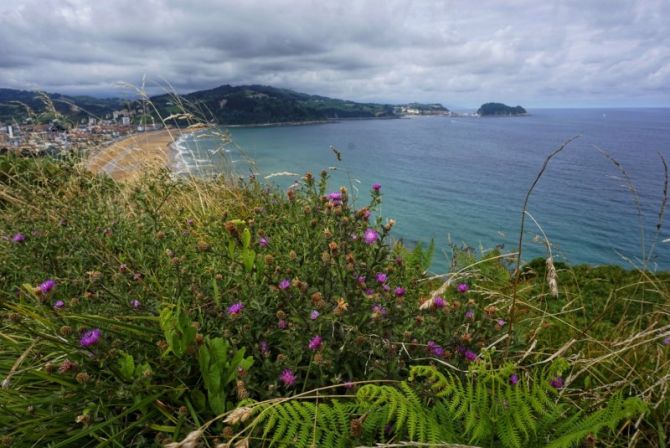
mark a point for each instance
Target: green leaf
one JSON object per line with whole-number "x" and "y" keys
{"x": 199, "y": 400}
{"x": 246, "y": 238}
{"x": 248, "y": 258}
{"x": 126, "y": 366}
{"x": 217, "y": 294}
{"x": 177, "y": 329}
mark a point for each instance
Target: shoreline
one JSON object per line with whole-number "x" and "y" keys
{"x": 127, "y": 158}
{"x": 303, "y": 123}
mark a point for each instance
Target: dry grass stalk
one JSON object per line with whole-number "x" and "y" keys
{"x": 7, "y": 381}
{"x": 551, "y": 277}
{"x": 517, "y": 271}
{"x": 239, "y": 415}
{"x": 191, "y": 440}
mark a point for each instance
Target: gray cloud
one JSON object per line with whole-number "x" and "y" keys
{"x": 555, "y": 53}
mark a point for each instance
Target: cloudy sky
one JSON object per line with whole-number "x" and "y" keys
{"x": 529, "y": 52}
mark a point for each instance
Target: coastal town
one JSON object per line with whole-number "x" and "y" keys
{"x": 33, "y": 138}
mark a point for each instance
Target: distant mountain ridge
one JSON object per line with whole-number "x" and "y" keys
{"x": 226, "y": 104}
{"x": 15, "y": 104}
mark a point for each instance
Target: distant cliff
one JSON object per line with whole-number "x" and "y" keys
{"x": 489, "y": 109}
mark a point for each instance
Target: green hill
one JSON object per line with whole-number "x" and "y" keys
{"x": 226, "y": 104}
{"x": 264, "y": 104}
{"x": 489, "y": 109}
{"x": 18, "y": 104}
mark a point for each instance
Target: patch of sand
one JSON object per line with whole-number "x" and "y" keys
{"x": 127, "y": 158}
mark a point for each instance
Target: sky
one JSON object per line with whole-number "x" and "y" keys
{"x": 569, "y": 53}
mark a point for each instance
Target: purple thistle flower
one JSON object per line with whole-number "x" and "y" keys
{"x": 381, "y": 277}
{"x": 90, "y": 337}
{"x": 282, "y": 324}
{"x": 59, "y": 304}
{"x": 314, "y": 314}
{"x": 366, "y": 214}
{"x": 435, "y": 349}
{"x": 235, "y": 308}
{"x": 666, "y": 341}
{"x": 369, "y": 291}
{"x": 500, "y": 322}
{"x": 287, "y": 377}
{"x": 136, "y": 304}
{"x": 315, "y": 343}
{"x": 513, "y": 379}
{"x": 284, "y": 284}
{"x": 557, "y": 383}
{"x": 399, "y": 291}
{"x": 263, "y": 242}
{"x": 19, "y": 238}
{"x": 377, "y": 308}
{"x": 335, "y": 197}
{"x": 46, "y": 286}
{"x": 370, "y": 236}
{"x": 348, "y": 385}
{"x": 470, "y": 355}
{"x": 264, "y": 347}
{"x": 376, "y": 187}
{"x": 470, "y": 315}
{"x": 463, "y": 288}
{"x": 361, "y": 280}
{"x": 386, "y": 287}
{"x": 439, "y": 302}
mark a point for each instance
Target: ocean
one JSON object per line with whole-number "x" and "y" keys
{"x": 462, "y": 180}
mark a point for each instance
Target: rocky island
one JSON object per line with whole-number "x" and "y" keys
{"x": 495, "y": 109}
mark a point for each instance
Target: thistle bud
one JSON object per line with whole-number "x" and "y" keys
{"x": 82, "y": 377}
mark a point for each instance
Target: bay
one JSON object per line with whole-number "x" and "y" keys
{"x": 462, "y": 180}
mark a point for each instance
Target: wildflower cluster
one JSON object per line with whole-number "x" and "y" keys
{"x": 472, "y": 323}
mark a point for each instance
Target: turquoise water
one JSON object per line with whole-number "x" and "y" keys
{"x": 463, "y": 180}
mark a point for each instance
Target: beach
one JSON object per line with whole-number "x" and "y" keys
{"x": 128, "y": 157}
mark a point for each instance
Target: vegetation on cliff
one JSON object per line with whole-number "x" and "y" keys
{"x": 181, "y": 312}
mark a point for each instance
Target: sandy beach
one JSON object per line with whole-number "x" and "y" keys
{"x": 127, "y": 158}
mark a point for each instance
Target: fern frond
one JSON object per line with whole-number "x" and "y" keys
{"x": 481, "y": 408}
